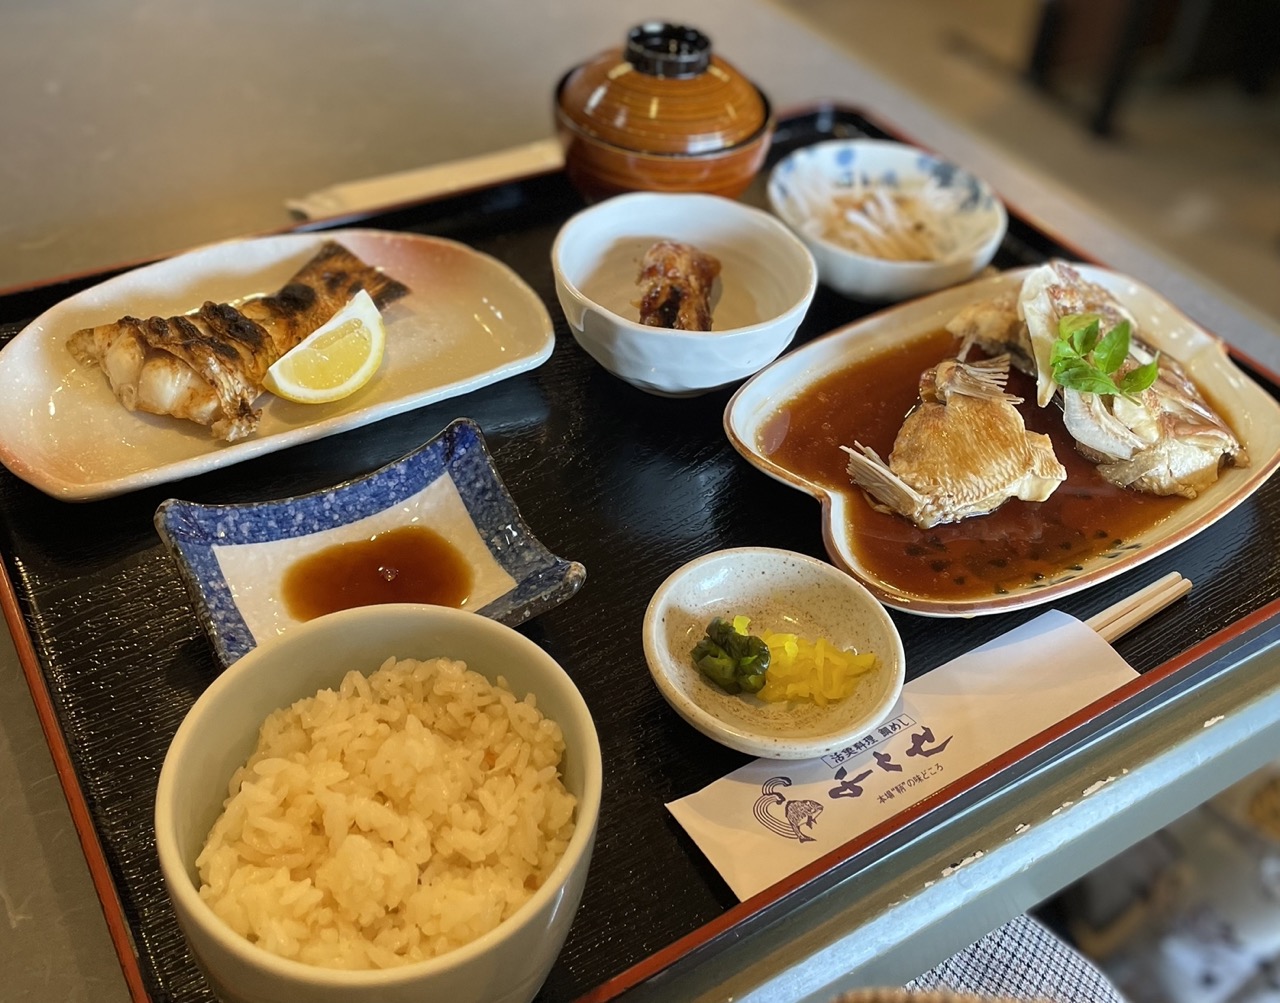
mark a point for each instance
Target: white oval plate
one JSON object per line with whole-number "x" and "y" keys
{"x": 469, "y": 321}
{"x": 1253, "y": 415}
{"x": 781, "y": 591}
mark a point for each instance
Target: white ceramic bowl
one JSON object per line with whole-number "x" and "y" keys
{"x": 782, "y": 591}
{"x": 801, "y": 188}
{"x": 766, "y": 283}
{"x": 509, "y": 963}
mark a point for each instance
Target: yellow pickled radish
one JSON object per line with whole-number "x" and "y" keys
{"x": 336, "y": 359}
{"x": 800, "y": 669}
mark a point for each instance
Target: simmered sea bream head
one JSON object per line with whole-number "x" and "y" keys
{"x": 1135, "y": 414}
{"x": 1139, "y": 417}
{"x": 964, "y": 451}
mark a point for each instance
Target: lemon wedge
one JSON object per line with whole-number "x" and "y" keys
{"x": 336, "y": 359}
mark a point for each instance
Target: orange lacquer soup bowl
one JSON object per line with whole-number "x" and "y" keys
{"x": 661, "y": 113}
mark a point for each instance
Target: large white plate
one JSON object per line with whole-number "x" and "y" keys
{"x": 468, "y": 322}
{"x": 1251, "y": 412}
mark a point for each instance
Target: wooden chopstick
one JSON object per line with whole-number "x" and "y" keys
{"x": 1118, "y": 619}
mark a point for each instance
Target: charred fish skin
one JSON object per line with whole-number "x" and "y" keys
{"x": 319, "y": 290}
{"x": 150, "y": 364}
{"x": 962, "y": 452}
{"x": 208, "y": 366}
{"x": 1167, "y": 440}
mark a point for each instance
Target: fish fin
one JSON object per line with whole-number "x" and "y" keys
{"x": 984, "y": 379}
{"x": 867, "y": 470}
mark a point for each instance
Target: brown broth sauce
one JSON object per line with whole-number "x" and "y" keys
{"x": 1017, "y": 545}
{"x": 409, "y": 564}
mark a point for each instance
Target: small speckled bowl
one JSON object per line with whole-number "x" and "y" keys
{"x": 780, "y": 591}
{"x": 233, "y": 558}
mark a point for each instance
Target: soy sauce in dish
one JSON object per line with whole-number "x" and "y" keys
{"x": 1017, "y": 545}
{"x": 408, "y": 564}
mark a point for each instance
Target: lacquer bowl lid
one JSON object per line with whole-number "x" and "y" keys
{"x": 664, "y": 92}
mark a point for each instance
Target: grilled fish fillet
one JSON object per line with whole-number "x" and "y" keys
{"x": 963, "y": 451}
{"x": 675, "y": 286}
{"x": 208, "y": 366}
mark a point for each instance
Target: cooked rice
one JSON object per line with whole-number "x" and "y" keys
{"x": 391, "y": 821}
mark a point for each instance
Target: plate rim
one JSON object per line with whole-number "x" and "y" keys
{"x": 831, "y": 505}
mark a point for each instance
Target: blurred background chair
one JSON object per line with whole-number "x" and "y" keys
{"x": 1112, "y": 40}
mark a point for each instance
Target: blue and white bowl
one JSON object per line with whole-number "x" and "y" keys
{"x": 972, "y": 220}
{"x": 233, "y": 558}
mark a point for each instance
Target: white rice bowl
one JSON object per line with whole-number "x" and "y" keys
{"x": 392, "y": 820}
{"x": 475, "y": 857}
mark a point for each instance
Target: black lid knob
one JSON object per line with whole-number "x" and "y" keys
{"x": 668, "y": 50}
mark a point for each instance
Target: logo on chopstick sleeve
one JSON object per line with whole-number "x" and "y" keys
{"x": 797, "y": 816}
{"x": 897, "y": 762}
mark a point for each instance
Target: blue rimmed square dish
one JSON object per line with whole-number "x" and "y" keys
{"x": 233, "y": 558}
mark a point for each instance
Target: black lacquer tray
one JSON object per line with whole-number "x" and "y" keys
{"x": 630, "y": 485}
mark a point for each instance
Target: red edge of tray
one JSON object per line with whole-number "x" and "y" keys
{"x": 654, "y": 964}
{"x": 667, "y": 956}
{"x": 99, "y": 872}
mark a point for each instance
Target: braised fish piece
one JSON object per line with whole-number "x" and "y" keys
{"x": 675, "y": 281}
{"x": 1164, "y": 440}
{"x": 963, "y": 451}
{"x": 208, "y": 366}
{"x": 995, "y": 326}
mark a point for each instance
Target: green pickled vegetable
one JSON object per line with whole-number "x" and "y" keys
{"x": 734, "y": 661}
